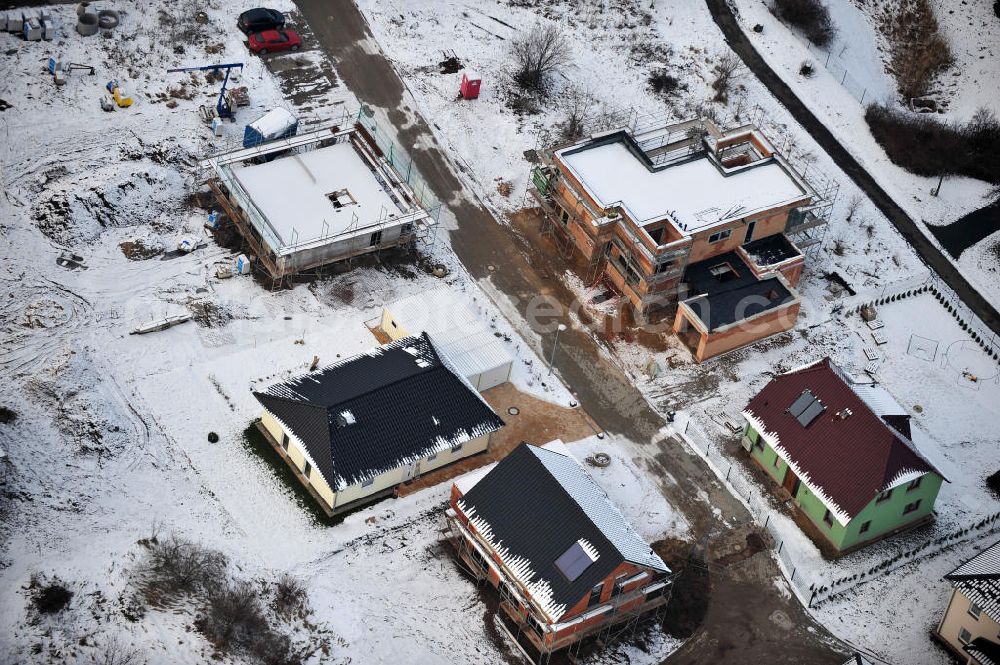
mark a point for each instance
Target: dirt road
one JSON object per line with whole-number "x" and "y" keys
{"x": 739, "y": 627}
{"x": 738, "y": 41}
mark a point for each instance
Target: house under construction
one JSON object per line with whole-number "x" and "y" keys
{"x": 715, "y": 221}
{"x": 323, "y": 196}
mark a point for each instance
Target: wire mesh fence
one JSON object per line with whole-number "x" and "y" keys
{"x": 815, "y": 589}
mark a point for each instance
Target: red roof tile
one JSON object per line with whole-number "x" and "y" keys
{"x": 848, "y": 460}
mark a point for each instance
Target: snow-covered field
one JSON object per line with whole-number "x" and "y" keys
{"x": 957, "y": 416}
{"x": 109, "y": 444}
{"x": 850, "y": 74}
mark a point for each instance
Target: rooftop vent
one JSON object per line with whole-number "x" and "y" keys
{"x": 345, "y": 418}
{"x": 845, "y": 414}
{"x": 806, "y": 407}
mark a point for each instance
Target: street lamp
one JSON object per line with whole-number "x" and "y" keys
{"x": 555, "y": 345}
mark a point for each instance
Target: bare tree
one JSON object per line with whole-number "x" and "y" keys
{"x": 116, "y": 652}
{"x": 726, "y": 69}
{"x": 853, "y": 204}
{"x": 539, "y": 53}
{"x": 579, "y": 107}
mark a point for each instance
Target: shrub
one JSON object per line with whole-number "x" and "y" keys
{"x": 234, "y": 622}
{"x": 663, "y": 83}
{"x": 809, "y": 16}
{"x": 175, "y": 567}
{"x": 926, "y": 146}
{"x": 289, "y": 596}
{"x": 538, "y": 54}
{"x": 49, "y": 597}
{"x": 806, "y": 69}
{"x": 917, "y": 51}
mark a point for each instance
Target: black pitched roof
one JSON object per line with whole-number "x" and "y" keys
{"x": 378, "y": 410}
{"x": 984, "y": 651}
{"x": 536, "y": 504}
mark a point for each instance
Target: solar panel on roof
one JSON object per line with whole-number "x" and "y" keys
{"x": 800, "y": 403}
{"x": 811, "y": 412}
{"x": 574, "y": 561}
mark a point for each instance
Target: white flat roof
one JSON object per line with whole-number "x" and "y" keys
{"x": 448, "y": 317}
{"x": 292, "y": 192}
{"x": 612, "y": 173}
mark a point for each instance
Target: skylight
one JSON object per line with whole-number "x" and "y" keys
{"x": 806, "y": 407}
{"x": 576, "y": 559}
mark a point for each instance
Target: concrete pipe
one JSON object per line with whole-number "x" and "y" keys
{"x": 108, "y": 19}
{"x": 87, "y": 24}
{"x": 81, "y": 9}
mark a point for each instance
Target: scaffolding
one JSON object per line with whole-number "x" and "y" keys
{"x": 288, "y": 253}
{"x": 624, "y": 625}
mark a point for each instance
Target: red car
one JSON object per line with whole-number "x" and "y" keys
{"x": 273, "y": 41}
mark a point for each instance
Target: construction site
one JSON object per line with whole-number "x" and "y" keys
{"x": 689, "y": 213}
{"x": 322, "y": 196}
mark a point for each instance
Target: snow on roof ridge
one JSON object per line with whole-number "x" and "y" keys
{"x": 618, "y": 530}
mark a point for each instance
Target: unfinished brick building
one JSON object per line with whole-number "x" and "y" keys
{"x": 713, "y": 221}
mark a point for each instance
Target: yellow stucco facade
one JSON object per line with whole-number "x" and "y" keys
{"x": 335, "y": 500}
{"x": 963, "y": 622}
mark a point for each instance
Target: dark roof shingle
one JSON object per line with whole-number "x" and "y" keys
{"x": 534, "y": 505}
{"x": 378, "y": 410}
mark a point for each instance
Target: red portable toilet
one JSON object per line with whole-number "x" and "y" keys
{"x": 470, "y": 84}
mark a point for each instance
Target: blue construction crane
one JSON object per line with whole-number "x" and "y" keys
{"x": 221, "y": 107}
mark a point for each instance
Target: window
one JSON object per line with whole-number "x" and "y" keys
{"x": 975, "y": 610}
{"x": 455, "y": 449}
{"x": 393, "y": 324}
{"x": 911, "y": 507}
{"x": 914, "y": 484}
{"x": 656, "y": 235}
{"x": 884, "y": 496}
{"x": 576, "y": 559}
{"x": 307, "y": 469}
{"x": 432, "y": 457}
{"x": 564, "y": 217}
{"x": 663, "y": 267}
{"x": 964, "y": 636}
{"x": 284, "y": 440}
{"x": 376, "y": 239}
{"x": 720, "y": 235}
{"x": 369, "y": 482}
{"x": 865, "y": 526}
{"x": 595, "y": 595}
{"x": 777, "y": 461}
{"x": 406, "y": 229}
{"x": 828, "y": 518}
{"x": 619, "y": 585}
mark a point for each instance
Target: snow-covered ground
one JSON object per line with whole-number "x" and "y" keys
{"x": 926, "y": 365}
{"x": 110, "y": 442}
{"x": 862, "y": 247}
{"x": 850, "y": 74}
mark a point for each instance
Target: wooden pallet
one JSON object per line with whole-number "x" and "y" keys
{"x": 871, "y": 367}
{"x": 875, "y": 324}
{"x": 879, "y": 337}
{"x": 871, "y": 353}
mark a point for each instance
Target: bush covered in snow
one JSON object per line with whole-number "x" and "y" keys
{"x": 926, "y": 146}
{"x": 810, "y": 16}
{"x": 917, "y": 50}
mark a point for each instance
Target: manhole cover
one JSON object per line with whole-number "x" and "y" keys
{"x": 513, "y": 410}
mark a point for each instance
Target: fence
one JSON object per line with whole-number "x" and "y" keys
{"x": 840, "y": 71}
{"x": 814, "y": 592}
{"x": 967, "y": 319}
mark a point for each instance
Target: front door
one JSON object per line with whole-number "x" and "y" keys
{"x": 749, "y": 235}
{"x": 791, "y": 482}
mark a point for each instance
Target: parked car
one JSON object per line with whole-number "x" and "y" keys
{"x": 273, "y": 41}
{"x": 260, "y": 19}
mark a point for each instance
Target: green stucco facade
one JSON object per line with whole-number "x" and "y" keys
{"x": 877, "y": 519}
